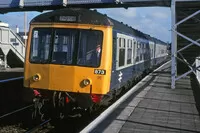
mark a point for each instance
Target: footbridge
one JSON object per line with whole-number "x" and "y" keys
{"x": 40, "y": 5}
{"x": 12, "y": 48}
{"x": 185, "y": 49}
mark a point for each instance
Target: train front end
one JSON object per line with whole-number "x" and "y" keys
{"x": 68, "y": 60}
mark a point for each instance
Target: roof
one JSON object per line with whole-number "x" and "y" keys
{"x": 83, "y": 16}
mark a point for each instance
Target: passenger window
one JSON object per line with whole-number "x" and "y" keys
{"x": 138, "y": 52}
{"x": 121, "y": 57}
{"x": 134, "y": 48}
{"x": 129, "y": 52}
{"x": 141, "y": 52}
{"x": 138, "y": 45}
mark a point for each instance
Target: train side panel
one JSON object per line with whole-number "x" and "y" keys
{"x": 129, "y": 69}
{"x": 121, "y": 74}
{"x": 146, "y": 54}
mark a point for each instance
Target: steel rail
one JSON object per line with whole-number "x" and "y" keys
{"x": 15, "y": 111}
{"x": 33, "y": 129}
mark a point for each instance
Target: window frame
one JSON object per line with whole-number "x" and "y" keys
{"x": 129, "y": 47}
{"x": 126, "y": 37}
{"x": 52, "y": 47}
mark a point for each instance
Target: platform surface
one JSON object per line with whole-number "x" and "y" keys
{"x": 157, "y": 108}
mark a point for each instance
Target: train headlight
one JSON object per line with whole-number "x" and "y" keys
{"x": 36, "y": 77}
{"x": 86, "y": 82}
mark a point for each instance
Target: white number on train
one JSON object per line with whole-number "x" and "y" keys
{"x": 99, "y": 71}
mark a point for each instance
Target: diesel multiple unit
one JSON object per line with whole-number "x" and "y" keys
{"x": 79, "y": 57}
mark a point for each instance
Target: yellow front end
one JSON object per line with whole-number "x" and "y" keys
{"x": 69, "y": 78}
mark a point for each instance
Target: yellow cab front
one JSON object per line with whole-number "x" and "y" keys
{"x": 71, "y": 58}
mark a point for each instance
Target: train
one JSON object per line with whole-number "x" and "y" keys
{"x": 78, "y": 58}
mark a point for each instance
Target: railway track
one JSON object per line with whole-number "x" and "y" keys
{"x": 16, "y": 111}
{"x": 43, "y": 127}
{"x": 15, "y": 121}
{"x": 13, "y": 95}
{"x": 19, "y": 121}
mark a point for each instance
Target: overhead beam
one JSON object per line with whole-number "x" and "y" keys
{"x": 36, "y": 5}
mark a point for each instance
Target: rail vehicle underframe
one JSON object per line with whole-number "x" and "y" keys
{"x": 60, "y": 104}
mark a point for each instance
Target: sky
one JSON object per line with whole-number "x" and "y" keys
{"x": 155, "y": 21}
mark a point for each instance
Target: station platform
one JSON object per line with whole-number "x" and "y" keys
{"x": 11, "y": 73}
{"x": 155, "y": 107}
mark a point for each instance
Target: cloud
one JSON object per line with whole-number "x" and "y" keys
{"x": 128, "y": 12}
{"x": 160, "y": 15}
{"x": 119, "y": 12}
{"x": 153, "y": 21}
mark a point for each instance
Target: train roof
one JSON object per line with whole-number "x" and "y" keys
{"x": 74, "y": 15}
{"x": 159, "y": 41}
{"x": 127, "y": 29}
{"x": 86, "y": 16}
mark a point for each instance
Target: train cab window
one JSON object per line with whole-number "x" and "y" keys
{"x": 64, "y": 41}
{"x": 66, "y": 46}
{"x": 129, "y": 51}
{"x": 121, "y": 57}
{"x": 90, "y": 48}
{"x": 40, "y": 44}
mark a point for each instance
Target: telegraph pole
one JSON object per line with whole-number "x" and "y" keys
{"x": 25, "y": 27}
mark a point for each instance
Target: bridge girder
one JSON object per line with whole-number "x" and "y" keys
{"x": 38, "y": 5}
